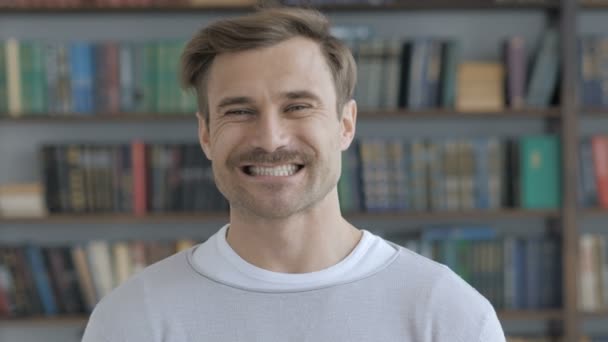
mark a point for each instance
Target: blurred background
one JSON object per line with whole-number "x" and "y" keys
{"x": 482, "y": 143}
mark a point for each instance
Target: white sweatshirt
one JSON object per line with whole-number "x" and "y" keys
{"x": 380, "y": 292}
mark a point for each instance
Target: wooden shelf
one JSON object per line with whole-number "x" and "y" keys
{"x": 602, "y": 314}
{"x": 482, "y": 215}
{"x": 534, "y": 113}
{"x": 594, "y": 4}
{"x": 594, "y": 112}
{"x": 118, "y": 218}
{"x": 203, "y": 217}
{"x": 545, "y": 315}
{"x": 402, "y": 5}
{"x": 364, "y": 115}
{"x": 590, "y": 212}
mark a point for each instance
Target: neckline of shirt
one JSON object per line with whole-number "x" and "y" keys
{"x": 291, "y": 278}
{"x": 361, "y": 247}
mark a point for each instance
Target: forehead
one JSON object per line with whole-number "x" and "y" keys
{"x": 294, "y": 63}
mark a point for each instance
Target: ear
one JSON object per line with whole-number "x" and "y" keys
{"x": 348, "y": 124}
{"x": 203, "y": 135}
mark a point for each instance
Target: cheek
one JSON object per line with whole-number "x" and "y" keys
{"x": 326, "y": 144}
{"x": 223, "y": 139}
{"x": 220, "y": 148}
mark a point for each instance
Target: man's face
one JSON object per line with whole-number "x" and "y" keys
{"x": 274, "y": 137}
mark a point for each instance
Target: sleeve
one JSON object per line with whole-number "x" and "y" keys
{"x": 492, "y": 330}
{"x": 121, "y": 316}
{"x": 460, "y": 313}
{"x": 93, "y": 331}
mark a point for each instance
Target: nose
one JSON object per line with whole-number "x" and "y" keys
{"x": 270, "y": 132}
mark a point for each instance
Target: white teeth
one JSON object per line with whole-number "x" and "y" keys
{"x": 277, "y": 171}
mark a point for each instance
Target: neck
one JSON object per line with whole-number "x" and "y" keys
{"x": 305, "y": 242}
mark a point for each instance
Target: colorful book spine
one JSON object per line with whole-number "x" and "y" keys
{"x": 482, "y": 173}
{"x": 83, "y": 75}
{"x": 451, "y": 58}
{"x": 138, "y": 165}
{"x": 391, "y": 74}
{"x": 601, "y": 70}
{"x": 418, "y": 74}
{"x": 37, "y": 95}
{"x": 599, "y": 146}
{"x": 3, "y": 81}
{"x": 544, "y": 73}
{"x": 43, "y": 284}
{"x": 419, "y": 175}
{"x": 13, "y": 77}
{"x": 540, "y": 172}
{"x": 588, "y": 190}
{"x": 591, "y": 90}
{"x": 515, "y": 60}
{"x": 126, "y": 76}
{"x": 433, "y": 74}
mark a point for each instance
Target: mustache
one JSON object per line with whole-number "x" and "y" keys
{"x": 260, "y": 156}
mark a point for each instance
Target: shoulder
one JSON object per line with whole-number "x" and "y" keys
{"x": 131, "y": 306}
{"x": 450, "y": 308}
{"x": 417, "y": 271}
{"x": 161, "y": 275}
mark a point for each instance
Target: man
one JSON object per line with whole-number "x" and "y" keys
{"x": 275, "y": 113}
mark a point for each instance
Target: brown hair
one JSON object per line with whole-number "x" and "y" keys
{"x": 264, "y": 28}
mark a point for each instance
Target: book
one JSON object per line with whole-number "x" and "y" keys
{"x": 36, "y": 263}
{"x": 85, "y": 280}
{"x": 599, "y": 147}
{"x": 22, "y": 200}
{"x": 540, "y": 172}
{"x": 138, "y": 166}
{"x": 70, "y": 279}
{"x": 451, "y": 55}
{"x": 588, "y": 189}
{"x": 543, "y": 77}
{"x": 591, "y": 88}
{"x": 99, "y": 258}
{"x": 13, "y": 77}
{"x": 514, "y": 52}
{"x": 3, "y": 81}
{"x": 480, "y": 87}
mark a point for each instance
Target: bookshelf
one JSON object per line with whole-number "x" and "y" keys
{"x": 565, "y": 116}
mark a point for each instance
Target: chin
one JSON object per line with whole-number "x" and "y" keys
{"x": 275, "y": 212}
{"x": 275, "y": 209}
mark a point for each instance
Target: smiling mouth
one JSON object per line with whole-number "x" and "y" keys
{"x": 285, "y": 170}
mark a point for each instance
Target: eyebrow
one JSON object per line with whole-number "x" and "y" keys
{"x": 237, "y": 100}
{"x": 292, "y": 95}
{"x": 301, "y": 94}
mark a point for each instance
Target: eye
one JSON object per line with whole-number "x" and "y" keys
{"x": 297, "y": 107}
{"x": 238, "y": 112}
